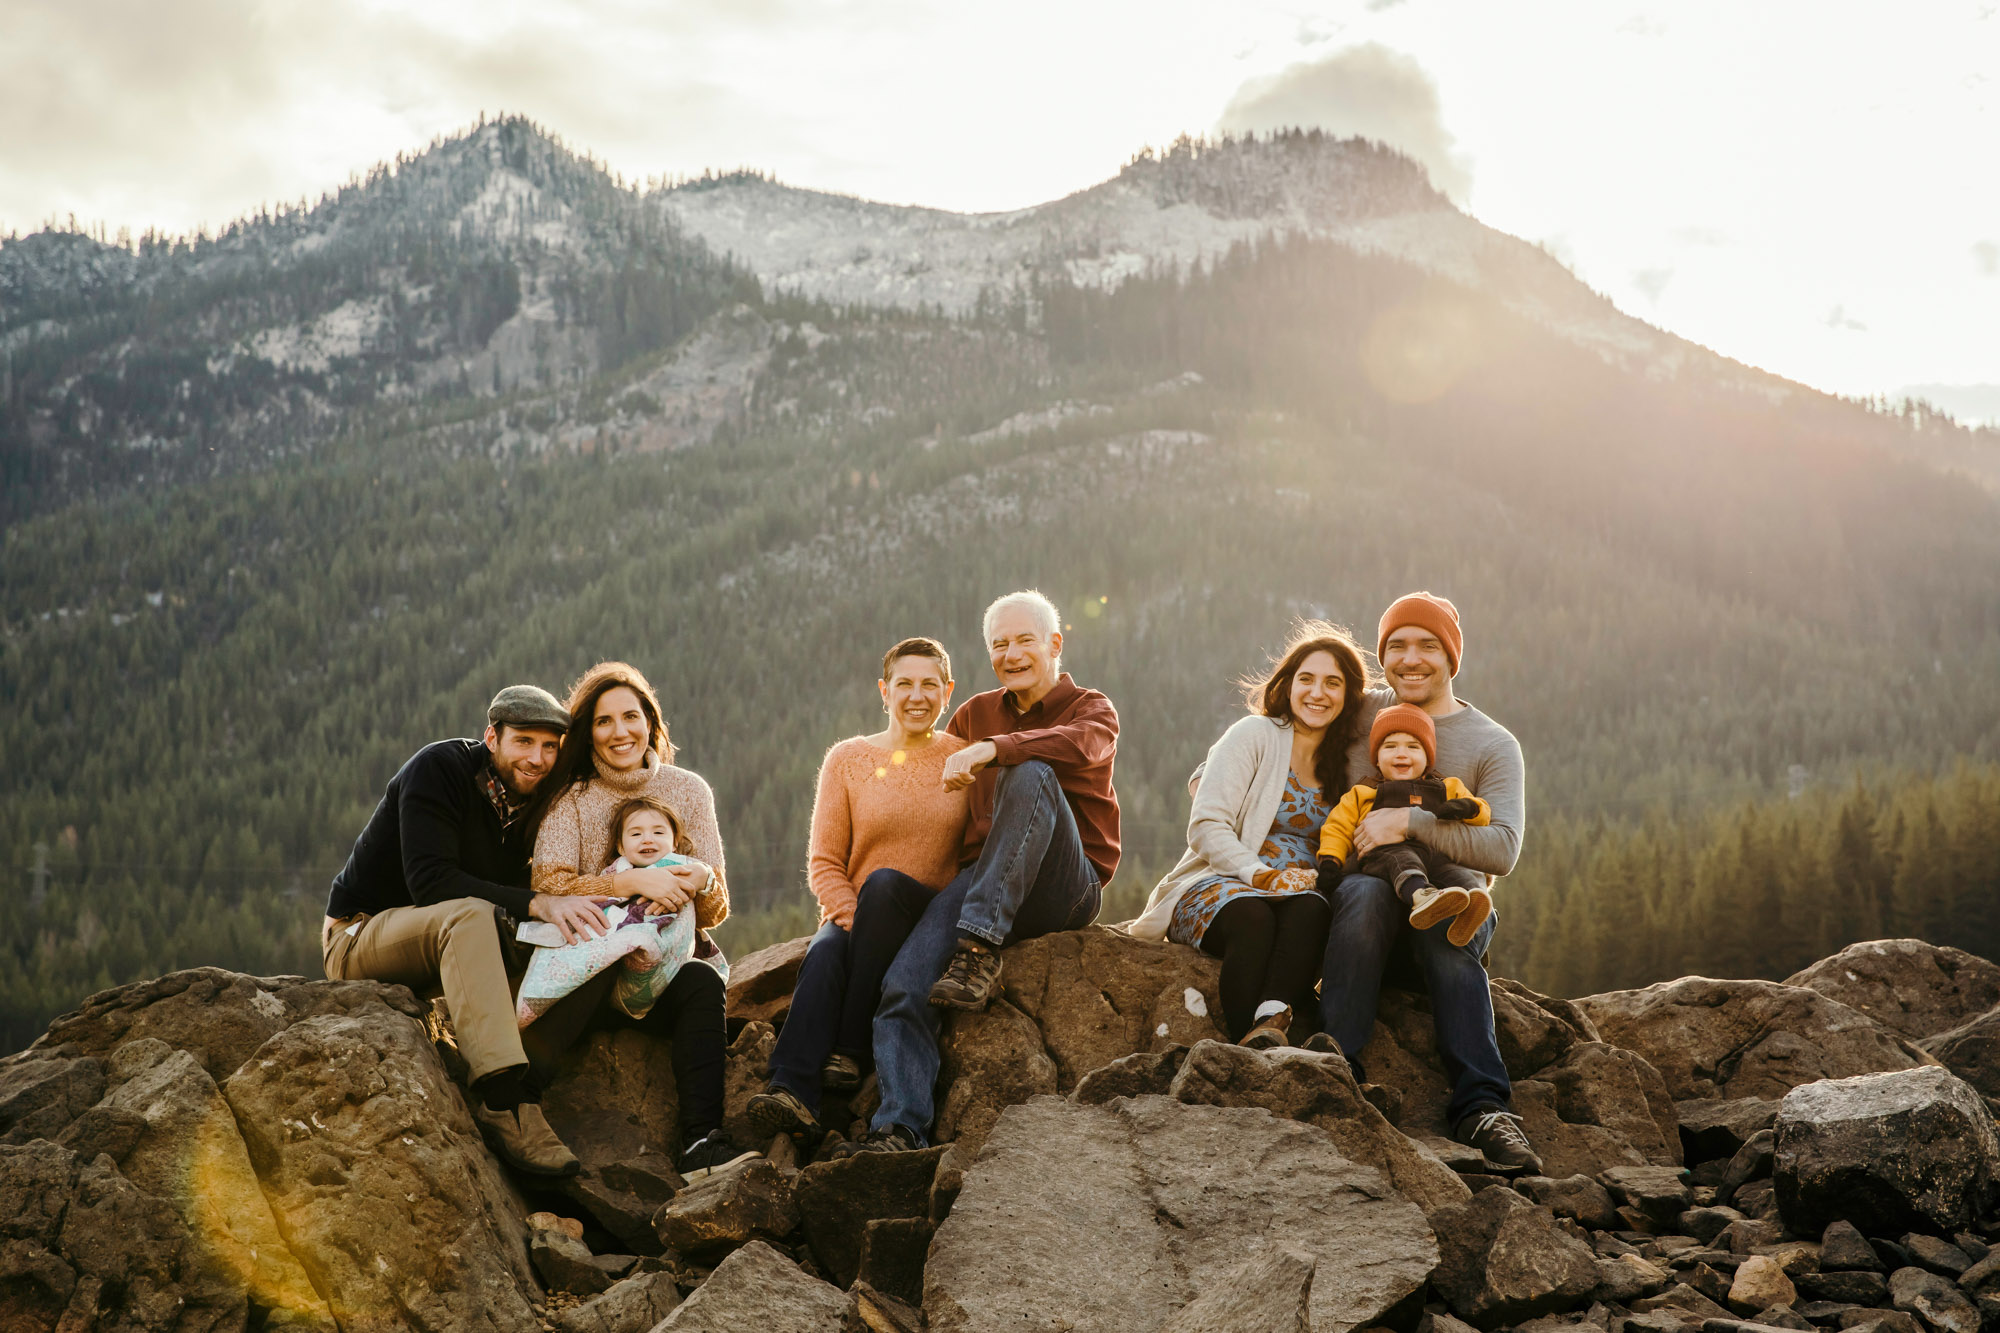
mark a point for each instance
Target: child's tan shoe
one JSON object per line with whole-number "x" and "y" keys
{"x": 1467, "y": 923}
{"x": 1430, "y": 905}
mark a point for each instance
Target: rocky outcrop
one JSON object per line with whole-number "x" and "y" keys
{"x": 1160, "y": 1201}
{"x": 1890, "y": 1153}
{"x": 212, "y": 1153}
{"x": 1318, "y": 1090}
{"x": 1971, "y": 1051}
{"x": 1730, "y": 1039}
{"x": 760, "y": 983}
{"x": 223, "y": 1149}
{"x": 1585, "y": 1104}
{"x": 1070, "y": 1003}
{"x": 1912, "y": 988}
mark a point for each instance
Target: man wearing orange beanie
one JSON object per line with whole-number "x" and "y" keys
{"x": 1421, "y": 646}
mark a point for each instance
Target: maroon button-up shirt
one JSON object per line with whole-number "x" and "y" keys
{"x": 1072, "y": 730}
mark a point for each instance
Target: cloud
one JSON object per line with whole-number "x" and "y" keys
{"x": 1652, "y": 282}
{"x": 1986, "y": 254}
{"x": 1838, "y": 318}
{"x": 1366, "y": 90}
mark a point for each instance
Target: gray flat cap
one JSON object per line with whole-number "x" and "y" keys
{"x": 527, "y": 706}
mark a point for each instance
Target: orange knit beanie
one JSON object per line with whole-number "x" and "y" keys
{"x": 1425, "y": 611}
{"x": 1405, "y": 717}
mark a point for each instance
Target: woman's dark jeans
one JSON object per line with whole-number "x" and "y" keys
{"x": 840, "y": 983}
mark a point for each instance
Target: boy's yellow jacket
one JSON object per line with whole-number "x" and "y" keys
{"x": 1337, "y": 837}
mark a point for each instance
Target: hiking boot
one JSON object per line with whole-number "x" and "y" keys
{"x": 1467, "y": 923}
{"x": 1269, "y": 1032}
{"x": 711, "y": 1155}
{"x": 1497, "y": 1134}
{"x": 776, "y": 1111}
{"x": 522, "y": 1137}
{"x": 1322, "y": 1043}
{"x": 970, "y": 980}
{"x": 896, "y": 1138}
{"x": 840, "y": 1073}
{"x": 1430, "y": 905}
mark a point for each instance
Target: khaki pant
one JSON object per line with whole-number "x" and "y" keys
{"x": 455, "y": 945}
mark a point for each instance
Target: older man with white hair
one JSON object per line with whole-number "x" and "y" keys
{"x": 1040, "y": 846}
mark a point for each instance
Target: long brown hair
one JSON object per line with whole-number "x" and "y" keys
{"x": 576, "y": 762}
{"x": 1271, "y": 694}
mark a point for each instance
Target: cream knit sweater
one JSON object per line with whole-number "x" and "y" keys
{"x": 576, "y": 841}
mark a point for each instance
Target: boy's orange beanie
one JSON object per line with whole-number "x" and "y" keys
{"x": 1425, "y": 611}
{"x": 1405, "y": 717}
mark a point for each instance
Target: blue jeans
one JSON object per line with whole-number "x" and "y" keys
{"x": 1368, "y": 921}
{"x": 1031, "y": 879}
{"x": 840, "y": 982}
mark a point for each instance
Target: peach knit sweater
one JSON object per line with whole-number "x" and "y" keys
{"x": 877, "y": 809}
{"x": 575, "y": 842}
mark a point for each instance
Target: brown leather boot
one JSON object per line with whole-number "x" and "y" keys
{"x": 523, "y": 1138}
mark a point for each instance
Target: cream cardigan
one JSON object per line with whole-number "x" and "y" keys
{"x": 1242, "y": 784}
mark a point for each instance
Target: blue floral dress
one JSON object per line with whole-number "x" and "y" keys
{"x": 1292, "y": 841}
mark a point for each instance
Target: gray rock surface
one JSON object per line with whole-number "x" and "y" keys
{"x": 1504, "y": 1259}
{"x": 1660, "y": 1192}
{"x": 1908, "y": 986}
{"x": 1271, "y": 1293}
{"x": 634, "y": 1305}
{"x": 760, "y": 983}
{"x": 1318, "y": 1089}
{"x": 1136, "y": 1075}
{"x": 758, "y": 1290}
{"x": 379, "y": 1179}
{"x": 1934, "y": 1299}
{"x": 1904, "y": 1151}
{"x": 1731, "y": 1039}
{"x": 566, "y": 1264}
{"x": 1716, "y": 1129}
{"x": 1972, "y": 1051}
{"x": 1164, "y": 1200}
{"x": 1579, "y": 1197}
{"x": 836, "y": 1200}
{"x": 1842, "y": 1247}
{"x": 1760, "y": 1284}
{"x": 722, "y": 1212}
{"x": 1071, "y": 1003}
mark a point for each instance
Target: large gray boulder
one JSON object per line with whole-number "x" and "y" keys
{"x": 380, "y": 1180}
{"x": 760, "y": 983}
{"x": 758, "y": 1290}
{"x": 1731, "y": 1039}
{"x": 1504, "y": 1259}
{"x": 1269, "y": 1293}
{"x": 1114, "y": 1217}
{"x": 1318, "y": 1089}
{"x": 1908, "y": 986}
{"x": 225, "y": 1150}
{"x": 1912, "y": 1150}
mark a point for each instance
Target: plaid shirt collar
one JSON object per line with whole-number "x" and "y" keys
{"x": 505, "y": 803}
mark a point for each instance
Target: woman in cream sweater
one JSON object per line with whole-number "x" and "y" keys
{"x": 886, "y": 836}
{"x": 1245, "y": 890}
{"x": 617, "y": 748}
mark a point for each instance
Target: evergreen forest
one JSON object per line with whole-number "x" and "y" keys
{"x": 1749, "y": 641}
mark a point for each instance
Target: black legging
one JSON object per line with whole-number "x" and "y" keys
{"x": 688, "y": 1015}
{"x": 1270, "y": 950}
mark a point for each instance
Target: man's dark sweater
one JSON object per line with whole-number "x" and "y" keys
{"x": 436, "y": 836}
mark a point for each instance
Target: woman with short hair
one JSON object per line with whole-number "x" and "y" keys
{"x": 886, "y": 836}
{"x": 1245, "y": 890}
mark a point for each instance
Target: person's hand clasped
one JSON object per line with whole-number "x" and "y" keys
{"x": 578, "y": 918}
{"x": 1381, "y": 828}
{"x": 672, "y": 887}
{"x": 962, "y": 768}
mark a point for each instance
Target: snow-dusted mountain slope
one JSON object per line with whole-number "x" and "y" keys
{"x": 1194, "y": 200}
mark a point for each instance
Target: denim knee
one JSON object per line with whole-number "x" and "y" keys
{"x": 1033, "y": 771}
{"x": 880, "y": 884}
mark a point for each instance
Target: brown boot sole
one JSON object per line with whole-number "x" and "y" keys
{"x": 1470, "y": 920}
{"x": 1449, "y": 903}
{"x": 1265, "y": 1038}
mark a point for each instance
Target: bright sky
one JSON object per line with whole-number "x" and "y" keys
{"x": 1808, "y": 187}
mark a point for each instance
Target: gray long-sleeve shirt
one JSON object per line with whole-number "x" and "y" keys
{"x": 1482, "y": 754}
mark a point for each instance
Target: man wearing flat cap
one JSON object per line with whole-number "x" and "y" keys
{"x": 417, "y": 902}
